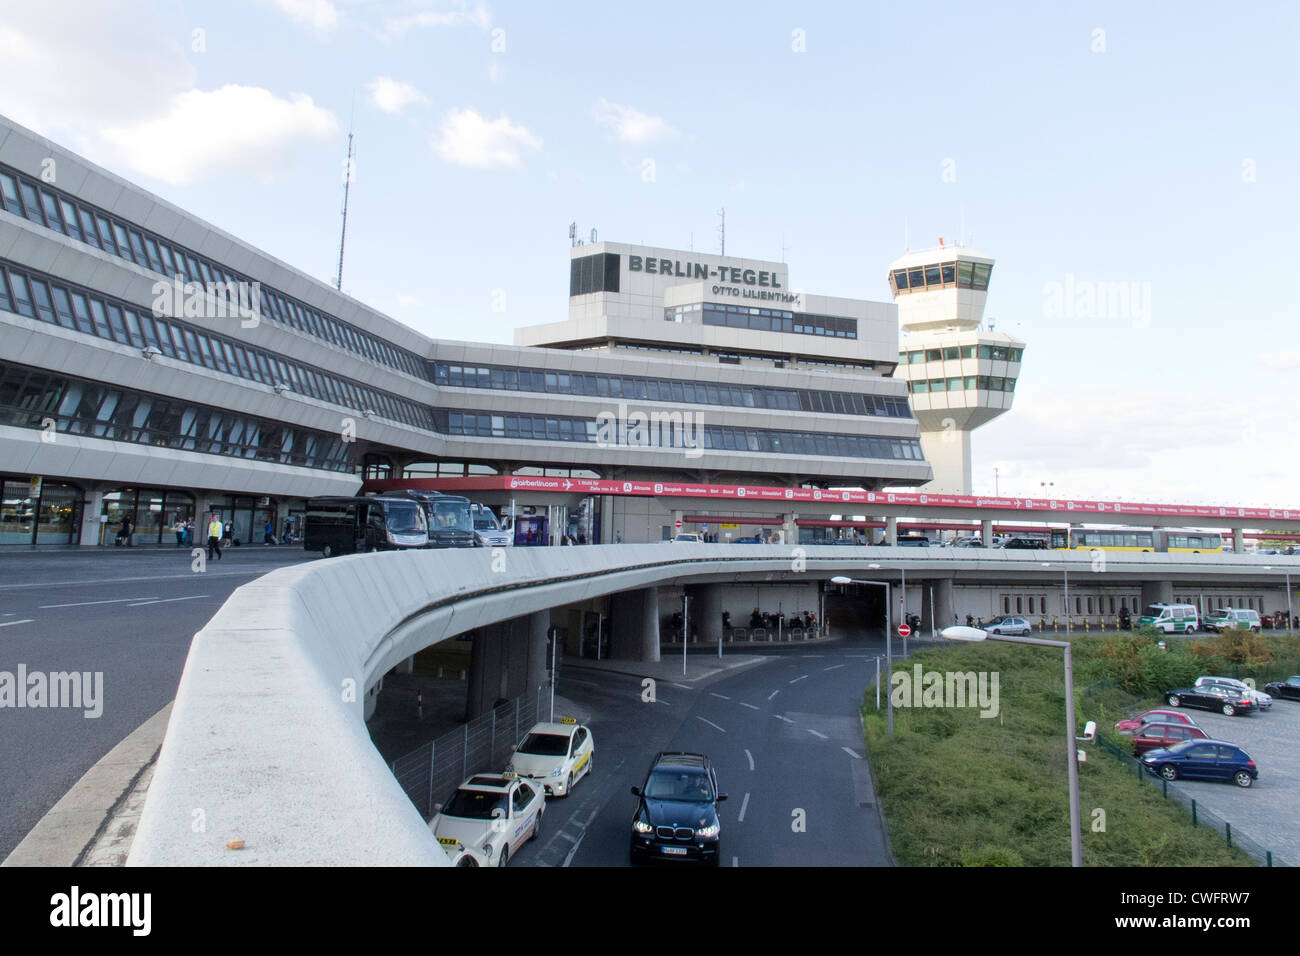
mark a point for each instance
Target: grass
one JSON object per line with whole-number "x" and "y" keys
{"x": 961, "y": 790}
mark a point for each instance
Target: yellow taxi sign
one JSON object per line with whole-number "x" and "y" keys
{"x": 510, "y": 775}
{"x": 448, "y": 841}
{"x": 568, "y": 720}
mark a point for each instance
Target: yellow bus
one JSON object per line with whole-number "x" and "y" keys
{"x": 1171, "y": 540}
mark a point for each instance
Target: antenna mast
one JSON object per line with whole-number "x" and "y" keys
{"x": 722, "y": 228}
{"x": 347, "y": 183}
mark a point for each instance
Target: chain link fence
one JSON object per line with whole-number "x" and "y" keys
{"x": 485, "y": 744}
{"x": 1201, "y": 815}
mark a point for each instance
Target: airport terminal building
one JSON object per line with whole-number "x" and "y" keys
{"x": 155, "y": 367}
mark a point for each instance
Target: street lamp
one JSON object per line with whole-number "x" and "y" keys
{"x": 1289, "y": 613}
{"x": 1072, "y": 762}
{"x": 1047, "y": 564}
{"x": 889, "y": 641}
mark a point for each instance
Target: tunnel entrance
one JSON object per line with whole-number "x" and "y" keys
{"x": 857, "y": 612}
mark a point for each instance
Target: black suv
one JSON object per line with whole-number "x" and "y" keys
{"x": 677, "y": 817}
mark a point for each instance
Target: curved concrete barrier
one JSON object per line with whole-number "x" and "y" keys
{"x": 267, "y": 742}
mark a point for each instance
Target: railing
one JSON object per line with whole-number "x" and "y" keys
{"x": 431, "y": 772}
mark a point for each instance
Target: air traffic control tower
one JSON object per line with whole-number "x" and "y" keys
{"x": 959, "y": 374}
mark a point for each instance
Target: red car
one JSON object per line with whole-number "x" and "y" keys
{"x": 1155, "y": 736}
{"x": 1155, "y": 716}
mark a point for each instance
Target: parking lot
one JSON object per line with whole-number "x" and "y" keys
{"x": 1269, "y": 811}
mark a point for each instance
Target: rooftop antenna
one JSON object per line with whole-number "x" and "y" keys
{"x": 347, "y": 184}
{"x": 722, "y": 229}
{"x": 573, "y": 233}
{"x": 906, "y": 246}
{"x": 593, "y": 235}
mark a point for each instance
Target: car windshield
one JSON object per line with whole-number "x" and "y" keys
{"x": 485, "y": 521}
{"x": 679, "y": 785}
{"x": 477, "y": 804}
{"x": 545, "y": 745}
{"x": 1182, "y": 746}
{"x": 405, "y": 518}
{"x": 451, "y": 516}
{"x": 1153, "y": 610}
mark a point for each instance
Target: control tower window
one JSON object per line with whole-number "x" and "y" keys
{"x": 949, "y": 273}
{"x": 900, "y": 280}
{"x": 964, "y": 271}
{"x": 916, "y": 279}
{"x": 932, "y": 276}
{"x": 980, "y": 279}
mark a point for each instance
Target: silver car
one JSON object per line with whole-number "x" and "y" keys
{"x": 1015, "y": 626}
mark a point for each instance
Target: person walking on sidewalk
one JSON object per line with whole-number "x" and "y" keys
{"x": 214, "y": 537}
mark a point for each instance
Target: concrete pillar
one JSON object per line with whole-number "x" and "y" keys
{"x": 986, "y": 532}
{"x": 93, "y": 504}
{"x": 486, "y": 670}
{"x": 650, "y": 625}
{"x": 891, "y": 530}
{"x": 407, "y": 666}
{"x": 707, "y": 608}
{"x": 1238, "y": 541}
{"x": 539, "y": 623}
{"x": 1157, "y": 592}
{"x": 635, "y": 625}
{"x": 944, "y": 612}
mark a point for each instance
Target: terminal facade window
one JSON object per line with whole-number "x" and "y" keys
{"x": 764, "y": 320}
{"x": 598, "y": 273}
{"x": 54, "y": 209}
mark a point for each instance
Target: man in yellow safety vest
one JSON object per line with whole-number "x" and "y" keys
{"x": 214, "y": 536}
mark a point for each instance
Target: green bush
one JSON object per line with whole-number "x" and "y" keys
{"x": 1165, "y": 669}
{"x": 992, "y": 856}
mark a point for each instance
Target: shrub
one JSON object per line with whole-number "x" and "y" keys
{"x": 991, "y": 856}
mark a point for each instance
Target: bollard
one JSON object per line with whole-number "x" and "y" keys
{"x": 1193, "y": 813}
{"x": 462, "y": 673}
{"x": 439, "y": 672}
{"x": 1227, "y": 831}
{"x": 1164, "y": 788}
{"x": 419, "y": 704}
{"x": 1268, "y": 855}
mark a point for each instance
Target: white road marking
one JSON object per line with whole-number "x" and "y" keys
{"x": 664, "y": 702}
{"x": 852, "y": 753}
{"x": 683, "y": 686}
{"x": 719, "y": 696}
{"x": 773, "y": 694}
{"x": 750, "y": 706}
{"x": 50, "y": 607}
{"x": 709, "y": 722}
{"x": 192, "y": 597}
{"x": 786, "y": 719}
{"x": 751, "y": 759}
{"x": 832, "y": 667}
{"x": 12, "y": 623}
{"x": 817, "y": 734}
{"x": 571, "y": 839}
{"x": 744, "y": 804}
{"x": 799, "y": 678}
{"x": 812, "y": 655}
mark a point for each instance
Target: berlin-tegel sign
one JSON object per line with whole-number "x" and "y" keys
{"x": 684, "y": 489}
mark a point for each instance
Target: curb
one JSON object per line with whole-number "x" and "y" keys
{"x": 71, "y": 826}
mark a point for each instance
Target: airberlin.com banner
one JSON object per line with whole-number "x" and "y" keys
{"x": 674, "y": 489}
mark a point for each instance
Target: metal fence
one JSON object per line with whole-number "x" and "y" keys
{"x": 432, "y": 771}
{"x": 1201, "y": 815}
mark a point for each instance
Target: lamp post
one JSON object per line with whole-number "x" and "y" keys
{"x": 1047, "y": 564}
{"x": 889, "y": 640}
{"x": 974, "y": 634}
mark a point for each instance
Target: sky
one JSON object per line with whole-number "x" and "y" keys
{"x": 1152, "y": 147}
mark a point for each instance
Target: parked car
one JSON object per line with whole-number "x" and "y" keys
{"x": 1162, "y": 736}
{"x": 1023, "y": 544}
{"x": 1229, "y": 700}
{"x": 1262, "y": 700}
{"x": 1016, "y": 626}
{"x": 913, "y": 541}
{"x": 1131, "y": 724}
{"x": 1230, "y": 618}
{"x": 493, "y": 813}
{"x": 677, "y": 814}
{"x": 1170, "y": 618}
{"x": 1288, "y": 689}
{"x": 685, "y": 538}
{"x": 1203, "y": 760}
{"x": 555, "y": 755}
{"x": 968, "y": 543}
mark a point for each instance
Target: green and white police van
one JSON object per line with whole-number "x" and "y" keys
{"x": 1171, "y": 618}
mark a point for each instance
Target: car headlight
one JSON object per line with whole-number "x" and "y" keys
{"x": 557, "y": 771}
{"x": 640, "y": 826}
{"x": 708, "y": 832}
{"x": 510, "y": 768}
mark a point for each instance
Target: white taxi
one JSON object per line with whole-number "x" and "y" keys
{"x": 556, "y": 755}
{"x": 491, "y": 815}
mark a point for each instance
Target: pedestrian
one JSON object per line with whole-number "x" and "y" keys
{"x": 124, "y": 533}
{"x": 269, "y": 538}
{"x": 288, "y": 531}
{"x": 189, "y": 531}
{"x": 618, "y": 537}
{"x": 228, "y": 533}
{"x": 180, "y": 531}
{"x": 214, "y": 537}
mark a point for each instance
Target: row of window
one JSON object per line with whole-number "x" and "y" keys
{"x": 765, "y": 320}
{"x": 55, "y": 210}
{"x": 39, "y": 296}
{"x": 30, "y": 397}
{"x": 961, "y": 274}
{"x": 669, "y": 390}
{"x": 985, "y": 383}
{"x": 997, "y": 353}
{"x": 717, "y": 438}
{"x": 598, "y": 273}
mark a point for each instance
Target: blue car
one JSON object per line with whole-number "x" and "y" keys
{"x": 1203, "y": 760}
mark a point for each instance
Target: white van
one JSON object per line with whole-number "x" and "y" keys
{"x": 1171, "y": 618}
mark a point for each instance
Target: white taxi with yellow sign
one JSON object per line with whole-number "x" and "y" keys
{"x": 556, "y": 755}
{"x": 489, "y": 817}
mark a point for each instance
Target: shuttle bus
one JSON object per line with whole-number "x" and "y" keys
{"x": 1170, "y": 540}
{"x": 447, "y": 516}
{"x": 341, "y": 525}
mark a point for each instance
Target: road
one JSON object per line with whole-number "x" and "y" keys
{"x": 784, "y": 736}
{"x": 129, "y": 615}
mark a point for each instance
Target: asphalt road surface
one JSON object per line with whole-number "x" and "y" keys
{"x": 784, "y": 736}
{"x": 127, "y": 614}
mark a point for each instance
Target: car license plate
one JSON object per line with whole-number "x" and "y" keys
{"x": 675, "y": 850}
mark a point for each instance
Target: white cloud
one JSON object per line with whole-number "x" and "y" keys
{"x": 234, "y": 128}
{"x": 1283, "y": 361}
{"x": 318, "y": 14}
{"x": 393, "y": 96}
{"x": 457, "y": 14}
{"x": 630, "y": 125}
{"x": 469, "y": 139}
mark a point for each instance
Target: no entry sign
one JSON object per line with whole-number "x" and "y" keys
{"x": 904, "y": 630}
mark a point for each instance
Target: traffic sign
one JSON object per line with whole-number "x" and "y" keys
{"x": 679, "y": 524}
{"x": 904, "y": 630}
